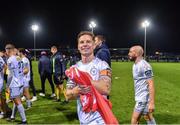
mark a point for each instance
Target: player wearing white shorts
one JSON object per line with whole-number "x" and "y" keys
{"x": 26, "y": 69}
{"x": 15, "y": 67}
{"x": 143, "y": 85}
{"x": 101, "y": 78}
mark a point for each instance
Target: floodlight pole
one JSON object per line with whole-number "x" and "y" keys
{"x": 34, "y": 45}
{"x": 34, "y": 28}
{"x": 92, "y": 29}
{"x": 145, "y": 24}
{"x": 145, "y": 42}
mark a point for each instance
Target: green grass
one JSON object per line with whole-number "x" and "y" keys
{"x": 167, "y": 84}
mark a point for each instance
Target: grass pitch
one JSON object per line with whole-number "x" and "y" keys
{"x": 167, "y": 102}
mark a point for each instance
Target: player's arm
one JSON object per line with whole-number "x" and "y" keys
{"x": 9, "y": 79}
{"x": 149, "y": 79}
{"x": 10, "y": 65}
{"x": 103, "y": 85}
{"x": 151, "y": 94}
{"x": 73, "y": 91}
{"x": 5, "y": 68}
{"x": 26, "y": 67}
{"x": 25, "y": 70}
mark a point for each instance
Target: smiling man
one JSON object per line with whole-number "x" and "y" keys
{"x": 100, "y": 73}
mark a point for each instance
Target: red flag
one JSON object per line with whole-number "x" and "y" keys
{"x": 92, "y": 101}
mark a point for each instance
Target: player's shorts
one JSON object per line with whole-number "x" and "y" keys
{"x": 26, "y": 84}
{"x": 141, "y": 107}
{"x": 1, "y": 87}
{"x": 58, "y": 80}
{"x": 16, "y": 92}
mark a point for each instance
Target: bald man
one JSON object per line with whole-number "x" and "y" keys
{"x": 144, "y": 87}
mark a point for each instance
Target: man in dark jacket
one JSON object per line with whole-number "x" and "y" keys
{"x": 58, "y": 71}
{"x": 45, "y": 71}
{"x": 102, "y": 51}
{"x": 73, "y": 59}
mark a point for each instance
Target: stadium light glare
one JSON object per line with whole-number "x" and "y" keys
{"x": 35, "y": 28}
{"x": 92, "y": 25}
{"x": 145, "y": 24}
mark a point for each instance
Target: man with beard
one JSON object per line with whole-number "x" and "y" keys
{"x": 144, "y": 87}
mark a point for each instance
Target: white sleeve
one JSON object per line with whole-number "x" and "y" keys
{"x": 1, "y": 64}
{"x": 148, "y": 71}
{"x": 26, "y": 63}
{"x": 10, "y": 64}
{"x": 104, "y": 70}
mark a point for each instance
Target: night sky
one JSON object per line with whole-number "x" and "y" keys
{"x": 120, "y": 22}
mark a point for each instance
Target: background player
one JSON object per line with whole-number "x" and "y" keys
{"x": 144, "y": 87}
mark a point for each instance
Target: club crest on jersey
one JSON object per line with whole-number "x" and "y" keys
{"x": 93, "y": 71}
{"x": 148, "y": 73}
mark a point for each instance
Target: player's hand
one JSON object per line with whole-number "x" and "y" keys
{"x": 84, "y": 89}
{"x": 151, "y": 107}
{"x": 7, "y": 90}
{"x": 76, "y": 91}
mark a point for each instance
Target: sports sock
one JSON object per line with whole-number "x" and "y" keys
{"x": 14, "y": 110}
{"x": 21, "y": 112}
{"x": 57, "y": 93}
{"x": 64, "y": 92}
{"x": 7, "y": 95}
{"x": 28, "y": 103}
{"x": 151, "y": 122}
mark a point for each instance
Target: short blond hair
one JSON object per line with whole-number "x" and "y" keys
{"x": 9, "y": 46}
{"x": 100, "y": 37}
{"x": 85, "y": 33}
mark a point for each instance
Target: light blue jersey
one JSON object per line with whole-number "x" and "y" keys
{"x": 142, "y": 71}
{"x": 15, "y": 67}
{"x": 26, "y": 64}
